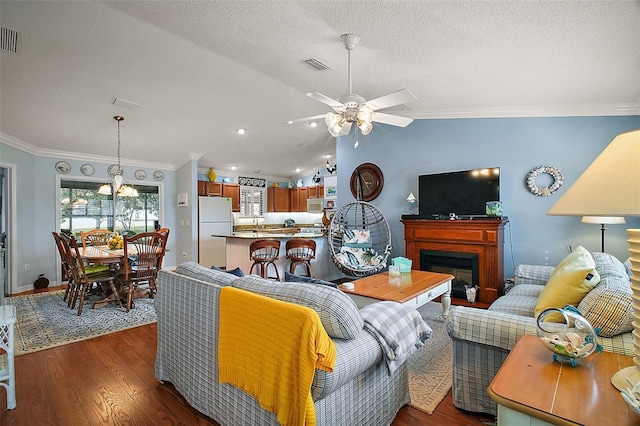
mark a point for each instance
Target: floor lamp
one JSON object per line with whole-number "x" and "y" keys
{"x": 603, "y": 220}
{"x": 611, "y": 187}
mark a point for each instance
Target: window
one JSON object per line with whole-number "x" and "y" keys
{"x": 82, "y": 208}
{"x": 252, "y": 201}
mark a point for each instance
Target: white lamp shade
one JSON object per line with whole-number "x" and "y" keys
{"x": 611, "y": 184}
{"x": 105, "y": 189}
{"x": 603, "y": 220}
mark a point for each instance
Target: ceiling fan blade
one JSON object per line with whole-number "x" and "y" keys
{"x": 302, "y": 120}
{"x": 392, "y": 99}
{"x": 394, "y": 120}
{"x": 326, "y": 100}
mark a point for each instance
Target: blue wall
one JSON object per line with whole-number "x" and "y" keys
{"x": 37, "y": 185}
{"x": 516, "y": 145}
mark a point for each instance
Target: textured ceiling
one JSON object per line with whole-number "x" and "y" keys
{"x": 201, "y": 69}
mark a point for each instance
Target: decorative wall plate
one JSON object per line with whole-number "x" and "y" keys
{"x": 87, "y": 169}
{"x": 140, "y": 174}
{"x": 158, "y": 175}
{"x": 113, "y": 170}
{"x": 556, "y": 175}
{"x": 369, "y": 179}
{"x": 63, "y": 167}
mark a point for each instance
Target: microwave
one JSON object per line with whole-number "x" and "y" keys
{"x": 315, "y": 205}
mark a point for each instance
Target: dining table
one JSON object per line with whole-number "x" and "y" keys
{"x": 103, "y": 255}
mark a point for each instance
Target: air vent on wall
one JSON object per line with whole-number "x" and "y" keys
{"x": 9, "y": 39}
{"x": 316, "y": 64}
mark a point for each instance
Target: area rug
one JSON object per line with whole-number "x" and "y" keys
{"x": 430, "y": 369}
{"x": 44, "y": 321}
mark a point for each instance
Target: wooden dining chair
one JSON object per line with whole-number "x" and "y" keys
{"x": 65, "y": 269}
{"x": 95, "y": 237}
{"x": 82, "y": 276}
{"x": 141, "y": 263}
{"x": 165, "y": 232}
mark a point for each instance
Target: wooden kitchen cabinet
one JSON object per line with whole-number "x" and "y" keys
{"x": 232, "y": 190}
{"x": 278, "y": 199}
{"x": 299, "y": 199}
{"x": 316, "y": 191}
{"x": 209, "y": 189}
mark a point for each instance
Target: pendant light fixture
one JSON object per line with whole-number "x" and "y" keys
{"x": 118, "y": 186}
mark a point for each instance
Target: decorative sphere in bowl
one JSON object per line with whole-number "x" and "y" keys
{"x": 569, "y": 339}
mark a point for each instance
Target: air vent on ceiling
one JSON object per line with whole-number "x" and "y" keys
{"x": 9, "y": 39}
{"x": 316, "y": 64}
{"x": 122, "y": 102}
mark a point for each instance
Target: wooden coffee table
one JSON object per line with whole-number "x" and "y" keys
{"x": 531, "y": 388}
{"x": 413, "y": 289}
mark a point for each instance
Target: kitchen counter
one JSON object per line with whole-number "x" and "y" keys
{"x": 254, "y": 235}
{"x": 237, "y": 252}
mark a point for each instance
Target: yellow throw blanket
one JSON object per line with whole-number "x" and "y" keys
{"x": 270, "y": 349}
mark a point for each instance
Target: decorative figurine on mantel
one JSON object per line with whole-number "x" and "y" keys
{"x": 412, "y": 202}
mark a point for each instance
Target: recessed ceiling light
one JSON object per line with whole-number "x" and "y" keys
{"x": 234, "y": 167}
{"x": 290, "y": 122}
{"x": 313, "y": 123}
{"x": 241, "y": 131}
{"x": 298, "y": 169}
{"x": 327, "y": 155}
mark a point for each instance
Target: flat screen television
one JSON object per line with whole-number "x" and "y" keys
{"x": 463, "y": 193}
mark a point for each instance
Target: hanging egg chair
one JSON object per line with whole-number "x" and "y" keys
{"x": 359, "y": 239}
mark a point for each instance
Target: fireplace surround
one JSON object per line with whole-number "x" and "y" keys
{"x": 483, "y": 237}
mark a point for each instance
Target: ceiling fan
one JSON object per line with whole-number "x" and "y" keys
{"x": 353, "y": 108}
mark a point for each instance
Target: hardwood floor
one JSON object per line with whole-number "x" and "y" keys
{"x": 110, "y": 380}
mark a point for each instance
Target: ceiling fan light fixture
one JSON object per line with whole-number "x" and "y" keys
{"x": 334, "y": 121}
{"x": 365, "y": 127}
{"x": 365, "y": 113}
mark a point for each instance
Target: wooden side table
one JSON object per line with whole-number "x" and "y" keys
{"x": 7, "y": 373}
{"x": 532, "y": 389}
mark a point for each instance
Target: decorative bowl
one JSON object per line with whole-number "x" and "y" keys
{"x": 570, "y": 339}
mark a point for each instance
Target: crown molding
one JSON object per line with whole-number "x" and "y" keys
{"x": 530, "y": 111}
{"x": 66, "y": 155}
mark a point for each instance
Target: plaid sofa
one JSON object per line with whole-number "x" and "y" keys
{"x": 360, "y": 390}
{"x": 483, "y": 338}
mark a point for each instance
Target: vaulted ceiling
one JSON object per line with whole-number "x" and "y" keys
{"x": 199, "y": 70}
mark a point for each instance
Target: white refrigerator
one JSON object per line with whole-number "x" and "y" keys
{"x": 214, "y": 218}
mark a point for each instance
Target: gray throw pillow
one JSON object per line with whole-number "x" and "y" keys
{"x": 236, "y": 271}
{"x": 291, "y": 278}
{"x": 608, "y": 306}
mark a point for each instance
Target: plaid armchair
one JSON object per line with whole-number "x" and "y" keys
{"x": 483, "y": 338}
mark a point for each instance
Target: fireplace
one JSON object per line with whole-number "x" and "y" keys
{"x": 463, "y": 266}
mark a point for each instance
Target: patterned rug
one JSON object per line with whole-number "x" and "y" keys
{"x": 430, "y": 369}
{"x": 44, "y": 321}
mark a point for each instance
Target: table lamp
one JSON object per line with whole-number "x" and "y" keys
{"x": 603, "y": 220}
{"x": 610, "y": 187}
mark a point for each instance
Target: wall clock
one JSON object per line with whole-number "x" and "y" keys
{"x": 366, "y": 182}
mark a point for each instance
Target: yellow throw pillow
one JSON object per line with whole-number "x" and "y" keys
{"x": 572, "y": 279}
